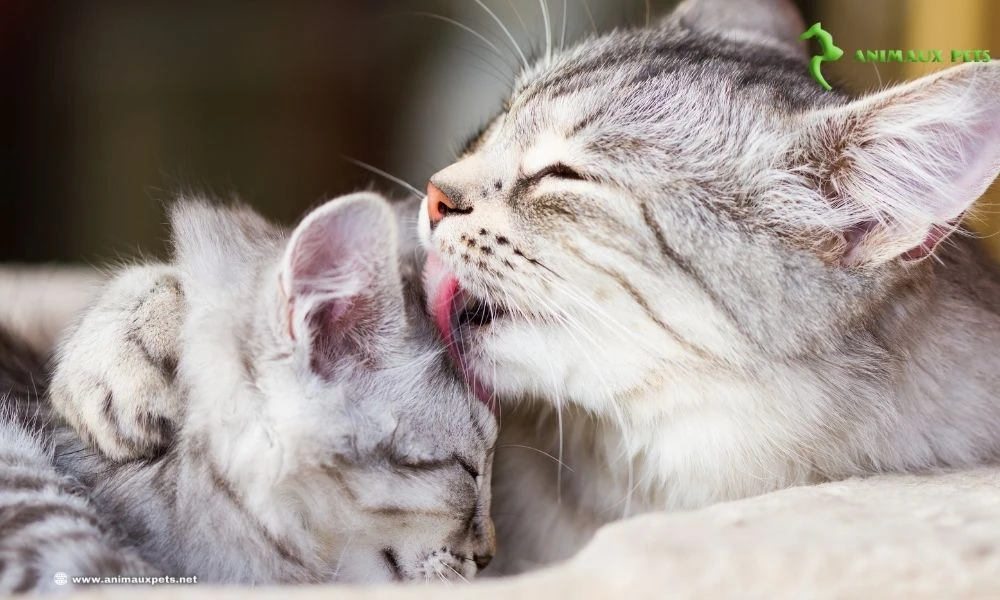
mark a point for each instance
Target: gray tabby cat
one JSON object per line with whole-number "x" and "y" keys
{"x": 298, "y": 421}
{"x": 692, "y": 275}
{"x": 47, "y": 523}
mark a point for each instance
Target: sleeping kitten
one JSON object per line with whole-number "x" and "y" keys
{"x": 48, "y": 527}
{"x": 692, "y": 275}
{"x": 297, "y": 419}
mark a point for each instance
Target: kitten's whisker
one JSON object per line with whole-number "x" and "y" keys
{"x": 559, "y": 418}
{"x": 446, "y": 580}
{"x": 340, "y": 559}
{"x": 455, "y": 571}
{"x": 540, "y": 451}
{"x": 618, "y": 329}
{"x": 517, "y": 14}
{"x": 562, "y": 37}
{"x": 877, "y": 74}
{"x": 570, "y": 324}
{"x": 590, "y": 15}
{"x": 398, "y": 181}
{"x": 487, "y": 68}
{"x": 467, "y": 29}
{"x": 524, "y": 59}
{"x": 631, "y": 473}
{"x": 548, "y": 29}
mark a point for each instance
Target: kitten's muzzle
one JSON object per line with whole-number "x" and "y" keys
{"x": 440, "y": 205}
{"x": 472, "y": 311}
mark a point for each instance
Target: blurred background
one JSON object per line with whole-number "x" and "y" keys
{"x": 108, "y": 108}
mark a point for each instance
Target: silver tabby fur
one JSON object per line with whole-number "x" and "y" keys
{"x": 272, "y": 407}
{"x": 710, "y": 277}
{"x": 48, "y": 524}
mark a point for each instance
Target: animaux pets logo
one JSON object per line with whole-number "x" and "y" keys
{"x": 830, "y": 52}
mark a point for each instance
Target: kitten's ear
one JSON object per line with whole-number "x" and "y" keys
{"x": 339, "y": 276}
{"x": 896, "y": 171}
{"x": 777, "y": 21}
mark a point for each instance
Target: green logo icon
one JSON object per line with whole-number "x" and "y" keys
{"x": 826, "y": 46}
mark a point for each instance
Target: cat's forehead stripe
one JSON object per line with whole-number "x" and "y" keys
{"x": 631, "y": 63}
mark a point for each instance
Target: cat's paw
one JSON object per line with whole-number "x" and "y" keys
{"x": 114, "y": 377}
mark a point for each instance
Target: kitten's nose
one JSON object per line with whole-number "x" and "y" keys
{"x": 439, "y": 205}
{"x": 484, "y": 543}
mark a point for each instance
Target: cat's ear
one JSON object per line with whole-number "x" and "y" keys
{"x": 775, "y": 21}
{"x": 894, "y": 173}
{"x": 339, "y": 279}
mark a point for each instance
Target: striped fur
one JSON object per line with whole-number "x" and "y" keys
{"x": 48, "y": 525}
{"x": 709, "y": 278}
{"x": 271, "y": 407}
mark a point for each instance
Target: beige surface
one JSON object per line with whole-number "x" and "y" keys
{"x": 36, "y": 302}
{"x": 885, "y": 537}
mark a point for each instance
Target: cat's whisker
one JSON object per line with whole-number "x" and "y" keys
{"x": 517, "y": 14}
{"x": 624, "y": 333}
{"x": 455, "y": 571}
{"x": 506, "y": 30}
{"x": 397, "y": 180}
{"x": 559, "y": 404}
{"x": 547, "y": 23}
{"x": 490, "y": 70}
{"x": 340, "y": 559}
{"x": 562, "y": 36}
{"x": 540, "y": 451}
{"x": 590, "y": 15}
{"x": 570, "y": 324}
{"x": 631, "y": 489}
{"x": 500, "y": 54}
{"x": 485, "y": 66}
{"x": 617, "y": 328}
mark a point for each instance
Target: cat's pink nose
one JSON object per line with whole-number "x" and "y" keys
{"x": 438, "y": 204}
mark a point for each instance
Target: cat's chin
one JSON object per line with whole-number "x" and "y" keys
{"x": 458, "y": 314}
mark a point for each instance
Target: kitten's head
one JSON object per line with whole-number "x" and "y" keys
{"x": 359, "y": 425}
{"x": 685, "y": 198}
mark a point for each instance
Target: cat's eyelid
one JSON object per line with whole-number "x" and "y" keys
{"x": 559, "y": 170}
{"x": 434, "y": 465}
{"x": 467, "y": 466}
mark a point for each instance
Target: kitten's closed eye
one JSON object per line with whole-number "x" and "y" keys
{"x": 436, "y": 464}
{"x": 559, "y": 171}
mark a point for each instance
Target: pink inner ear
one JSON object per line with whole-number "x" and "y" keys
{"x": 853, "y": 238}
{"x": 934, "y": 237}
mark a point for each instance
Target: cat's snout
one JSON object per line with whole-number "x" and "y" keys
{"x": 441, "y": 204}
{"x": 438, "y": 203}
{"x": 483, "y": 542}
{"x": 482, "y": 560}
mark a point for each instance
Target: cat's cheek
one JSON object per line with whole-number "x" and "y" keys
{"x": 511, "y": 358}
{"x": 424, "y": 225}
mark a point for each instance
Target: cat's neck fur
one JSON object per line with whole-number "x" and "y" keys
{"x": 716, "y": 436}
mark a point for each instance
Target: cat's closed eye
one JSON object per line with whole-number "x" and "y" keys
{"x": 438, "y": 464}
{"x": 558, "y": 171}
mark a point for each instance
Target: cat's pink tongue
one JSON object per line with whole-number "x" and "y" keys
{"x": 443, "y": 289}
